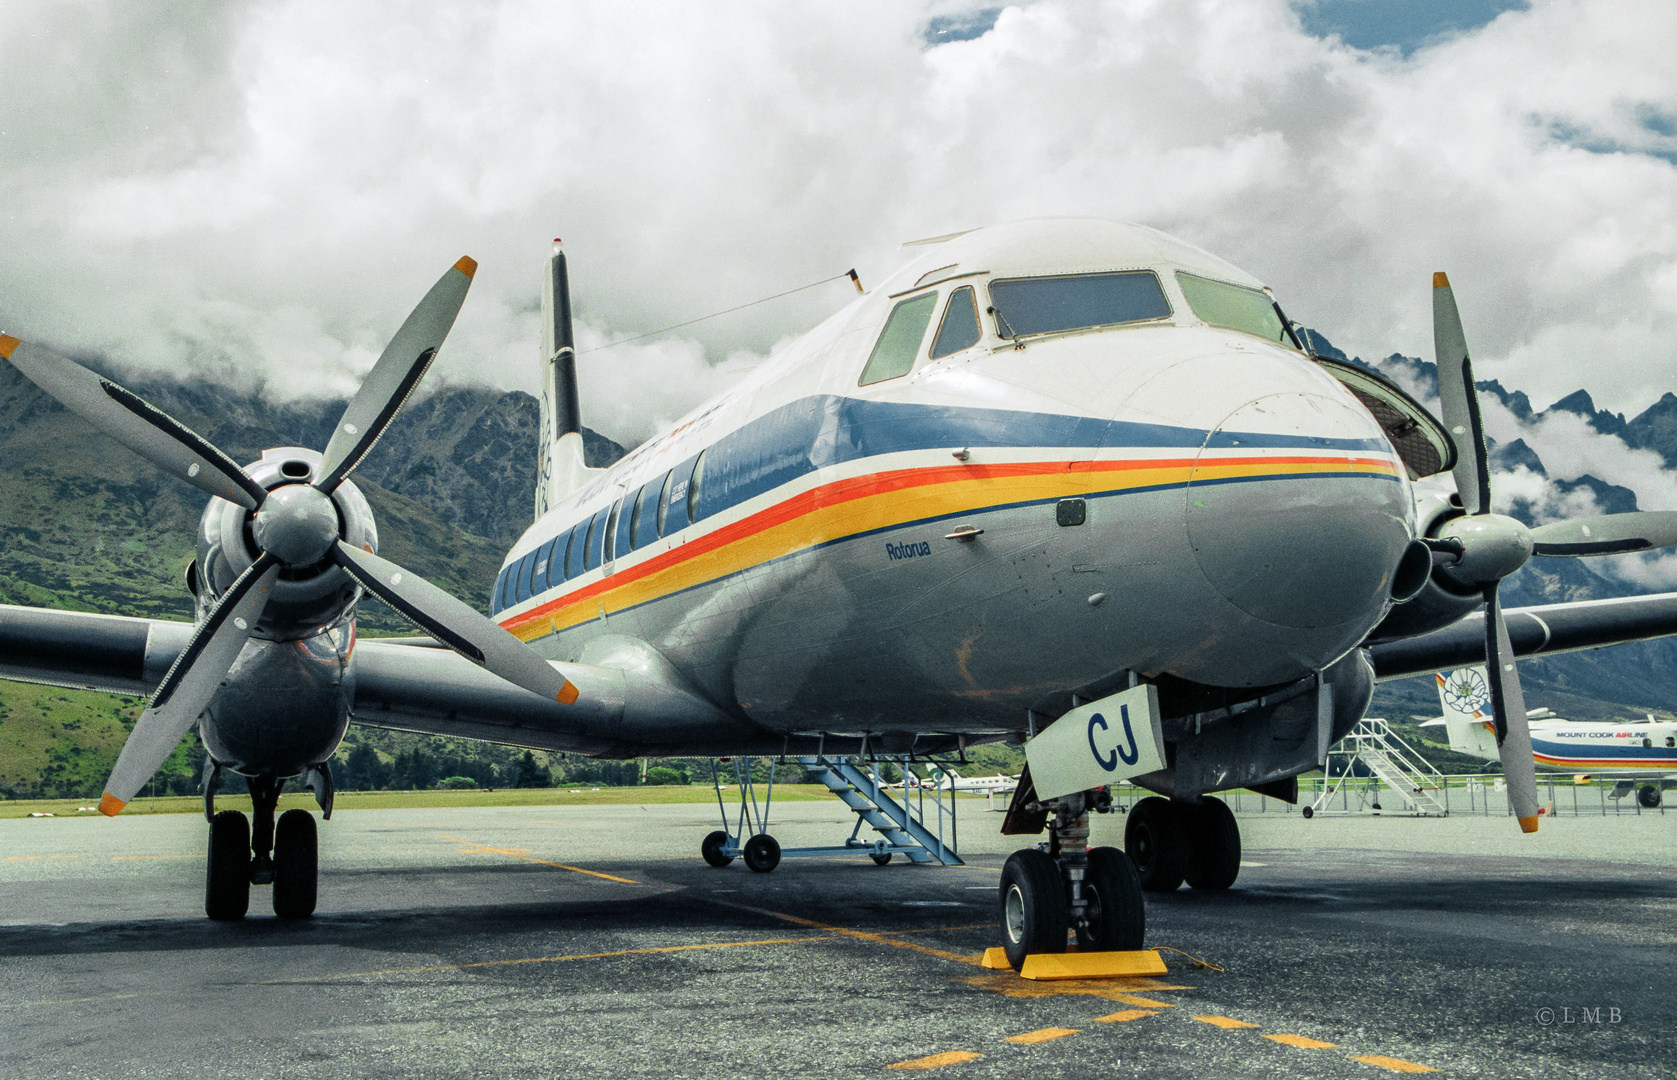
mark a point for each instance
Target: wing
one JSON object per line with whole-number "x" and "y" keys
{"x": 631, "y": 702}
{"x": 1532, "y": 631}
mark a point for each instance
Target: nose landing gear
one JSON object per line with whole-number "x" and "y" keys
{"x": 1046, "y": 895}
{"x": 284, "y": 855}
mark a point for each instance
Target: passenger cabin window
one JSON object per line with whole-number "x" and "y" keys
{"x": 693, "y": 483}
{"x": 646, "y": 512}
{"x": 664, "y": 501}
{"x": 1046, "y": 305}
{"x": 959, "y": 329}
{"x": 899, "y": 343}
{"x": 522, "y": 589}
{"x": 596, "y": 539}
{"x": 574, "y": 553}
{"x": 624, "y": 534}
{"x": 1232, "y": 307}
{"x": 611, "y": 531}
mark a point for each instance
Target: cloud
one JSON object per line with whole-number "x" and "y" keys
{"x": 265, "y": 191}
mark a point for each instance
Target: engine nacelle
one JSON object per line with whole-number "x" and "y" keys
{"x": 1443, "y": 599}
{"x": 305, "y": 599}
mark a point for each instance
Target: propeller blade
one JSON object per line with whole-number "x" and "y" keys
{"x": 1508, "y": 704}
{"x": 191, "y": 682}
{"x": 134, "y": 422}
{"x": 399, "y": 369}
{"x": 456, "y": 624}
{"x": 1458, "y": 399}
{"x": 1609, "y": 534}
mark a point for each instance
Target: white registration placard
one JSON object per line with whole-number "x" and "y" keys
{"x": 1100, "y": 743}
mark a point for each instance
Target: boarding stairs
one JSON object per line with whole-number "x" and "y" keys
{"x": 902, "y": 827}
{"x": 1392, "y": 762}
{"x": 921, "y": 826}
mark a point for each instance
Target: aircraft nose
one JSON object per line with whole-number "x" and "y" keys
{"x": 1296, "y": 512}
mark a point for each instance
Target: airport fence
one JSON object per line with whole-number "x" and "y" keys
{"x": 1560, "y": 796}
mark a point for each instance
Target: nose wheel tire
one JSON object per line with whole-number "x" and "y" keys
{"x": 296, "y": 865}
{"x": 1033, "y": 901}
{"x": 711, "y": 849}
{"x": 762, "y": 853}
{"x": 1649, "y": 796}
{"x": 1213, "y": 844}
{"x": 227, "y": 871}
{"x": 1153, "y": 839}
{"x": 1116, "y": 918}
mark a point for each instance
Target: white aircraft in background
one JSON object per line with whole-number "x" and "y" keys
{"x": 1626, "y": 751}
{"x": 950, "y": 780}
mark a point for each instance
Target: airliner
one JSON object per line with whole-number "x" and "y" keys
{"x": 1626, "y": 751}
{"x": 1070, "y": 483}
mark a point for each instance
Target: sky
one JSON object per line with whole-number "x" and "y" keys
{"x": 261, "y": 191}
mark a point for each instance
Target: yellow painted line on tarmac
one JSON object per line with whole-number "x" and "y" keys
{"x": 1124, "y": 1016}
{"x": 555, "y": 959}
{"x": 859, "y": 935}
{"x": 1394, "y": 1064}
{"x": 518, "y": 853}
{"x": 936, "y": 1061}
{"x": 131, "y": 858}
{"x": 1045, "y": 1035}
{"x": 1303, "y": 1042}
{"x": 66, "y": 1001}
{"x": 1224, "y": 1022}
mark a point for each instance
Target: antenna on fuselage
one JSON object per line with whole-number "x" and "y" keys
{"x": 559, "y": 465}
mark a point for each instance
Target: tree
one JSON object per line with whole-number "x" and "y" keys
{"x": 531, "y": 775}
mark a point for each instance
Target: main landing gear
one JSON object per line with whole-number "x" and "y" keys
{"x": 1070, "y": 888}
{"x": 1172, "y": 842}
{"x": 283, "y": 854}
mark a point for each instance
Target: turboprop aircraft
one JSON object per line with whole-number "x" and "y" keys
{"x": 1072, "y": 483}
{"x": 1626, "y": 751}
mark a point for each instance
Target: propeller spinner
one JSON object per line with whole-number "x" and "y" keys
{"x": 295, "y": 526}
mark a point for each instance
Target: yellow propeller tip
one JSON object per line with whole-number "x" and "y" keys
{"x": 568, "y": 694}
{"x": 1528, "y": 824}
{"x": 7, "y": 345}
{"x": 110, "y": 805}
{"x": 467, "y": 265}
{"x": 1440, "y": 280}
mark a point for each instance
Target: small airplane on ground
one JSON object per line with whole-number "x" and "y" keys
{"x": 947, "y": 779}
{"x": 1627, "y": 751}
{"x": 1070, "y": 483}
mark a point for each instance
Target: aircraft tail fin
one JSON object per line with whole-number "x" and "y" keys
{"x": 1466, "y": 699}
{"x": 560, "y": 468}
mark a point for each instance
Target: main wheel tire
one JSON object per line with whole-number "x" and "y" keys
{"x": 712, "y": 847}
{"x": 227, "y": 871}
{"x": 1213, "y": 845}
{"x": 882, "y": 859}
{"x": 1033, "y": 902}
{"x": 296, "y": 865}
{"x": 1649, "y": 796}
{"x": 1117, "y": 919}
{"x": 1153, "y": 841}
{"x": 762, "y": 853}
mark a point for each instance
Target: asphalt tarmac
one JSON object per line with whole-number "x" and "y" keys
{"x": 593, "y": 942}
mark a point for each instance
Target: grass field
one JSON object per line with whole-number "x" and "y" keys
{"x": 395, "y": 800}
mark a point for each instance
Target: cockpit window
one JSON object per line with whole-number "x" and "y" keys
{"x": 959, "y": 329}
{"x": 1044, "y": 305}
{"x": 1233, "y": 307}
{"x": 893, "y": 355}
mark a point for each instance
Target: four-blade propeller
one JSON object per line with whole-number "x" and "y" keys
{"x": 1488, "y": 546}
{"x": 294, "y": 526}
